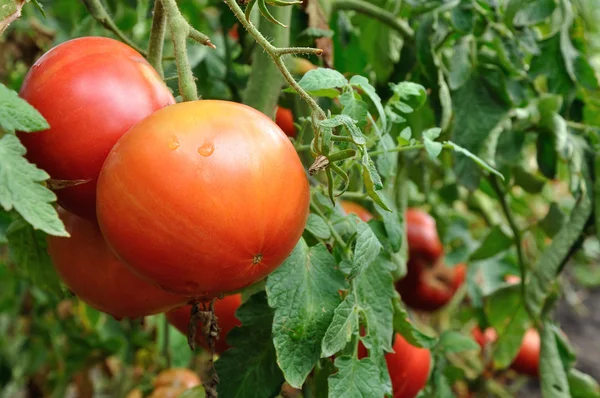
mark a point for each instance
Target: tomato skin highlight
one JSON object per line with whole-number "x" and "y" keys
{"x": 408, "y": 367}
{"x": 91, "y": 271}
{"x": 91, "y": 90}
{"x": 225, "y": 309}
{"x": 285, "y": 120}
{"x": 355, "y": 208}
{"x": 203, "y": 198}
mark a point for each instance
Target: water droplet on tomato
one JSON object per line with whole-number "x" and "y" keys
{"x": 173, "y": 142}
{"x": 206, "y": 149}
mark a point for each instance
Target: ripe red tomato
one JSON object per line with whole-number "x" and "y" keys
{"x": 422, "y": 236}
{"x": 89, "y": 268}
{"x": 527, "y": 360}
{"x": 224, "y": 310}
{"x": 285, "y": 120}
{"x": 408, "y": 367}
{"x": 430, "y": 289}
{"x": 203, "y": 198}
{"x": 91, "y": 90}
{"x": 355, "y": 208}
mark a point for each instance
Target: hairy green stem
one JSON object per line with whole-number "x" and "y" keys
{"x": 273, "y": 53}
{"x": 180, "y": 31}
{"x": 157, "y": 38}
{"x": 375, "y": 12}
{"x": 99, "y": 13}
{"x": 265, "y": 82}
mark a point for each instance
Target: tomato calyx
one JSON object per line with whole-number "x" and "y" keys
{"x": 257, "y": 258}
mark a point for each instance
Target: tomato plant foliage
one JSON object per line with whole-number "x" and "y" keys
{"x": 482, "y": 114}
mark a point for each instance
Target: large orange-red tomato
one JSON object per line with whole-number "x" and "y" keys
{"x": 430, "y": 289}
{"x": 91, "y": 271}
{"x": 408, "y": 367}
{"x": 355, "y": 208}
{"x": 422, "y": 235}
{"x": 285, "y": 120}
{"x": 91, "y": 90}
{"x": 527, "y": 360}
{"x": 203, "y": 198}
{"x": 224, "y": 310}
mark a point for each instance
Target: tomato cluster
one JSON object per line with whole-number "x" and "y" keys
{"x": 166, "y": 203}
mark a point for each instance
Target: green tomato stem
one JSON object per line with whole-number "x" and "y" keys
{"x": 157, "y": 38}
{"x": 375, "y": 12}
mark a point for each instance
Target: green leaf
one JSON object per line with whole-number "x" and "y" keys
{"x": 20, "y": 188}
{"x": 27, "y": 248}
{"x": 506, "y": 314}
{"x": 451, "y": 342}
{"x": 548, "y": 265}
{"x": 551, "y": 64}
{"x": 17, "y": 115}
{"x": 532, "y": 12}
{"x": 553, "y": 378}
{"x": 495, "y": 242}
{"x": 355, "y": 379}
{"x": 304, "y": 293}
{"x": 433, "y": 148}
{"x": 322, "y": 82}
{"x": 531, "y": 183}
{"x": 372, "y": 180}
{"x": 375, "y": 295}
{"x": 554, "y": 220}
{"x": 342, "y": 327}
{"x": 318, "y": 227}
{"x": 460, "y": 64}
{"x": 366, "y": 249}
{"x": 387, "y": 161}
{"x": 363, "y": 83}
{"x": 355, "y": 108}
{"x": 344, "y": 120}
{"x": 582, "y": 385}
{"x": 250, "y": 367}
{"x": 408, "y": 97}
{"x": 408, "y": 330}
{"x": 477, "y": 111}
{"x": 393, "y": 222}
{"x": 478, "y": 161}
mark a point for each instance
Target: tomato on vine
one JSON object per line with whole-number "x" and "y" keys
{"x": 91, "y": 270}
{"x": 91, "y": 90}
{"x": 285, "y": 120}
{"x": 355, "y": 208}
{"x": 422, "y": 235}
{"x": 203, "y": 198}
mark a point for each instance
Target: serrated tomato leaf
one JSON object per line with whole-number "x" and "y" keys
{"x": 342, "y": 327}
{"x": 17, "y": 115}
{"x": 250, "y": 367}
{"x": 355, "y": 379}
{"x": 553, "y": 378}
{"x": 304, "y": 291}
{"x": 20, "y": 188}
{"x": 322, "y": 82}
{"x": 408, "y": 330}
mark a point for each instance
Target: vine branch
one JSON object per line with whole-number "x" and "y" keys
{"x": 377, "y": 13}
{"x": 180, "y": 31}
{"x": 276, "y": 54}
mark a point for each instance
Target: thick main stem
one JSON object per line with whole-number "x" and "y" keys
{"x": 375, "y": 12}
{"x": 157, "y": 37}
{"x": 265, "y": 82}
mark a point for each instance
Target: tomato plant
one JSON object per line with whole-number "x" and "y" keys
{"x": 224, "y": 310}
{"x": 217, "y": 167}
{"x": 382, "y": 174}
{"x": 90, "y": 270}
{"x": 91, "y": 90}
